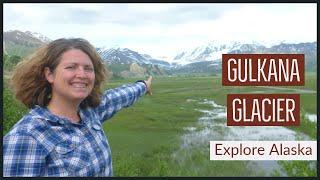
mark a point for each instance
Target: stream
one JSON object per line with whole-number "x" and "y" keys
{"x": 212, "y": 126}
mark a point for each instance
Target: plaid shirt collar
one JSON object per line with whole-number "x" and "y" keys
{"x": 44, "y": 113}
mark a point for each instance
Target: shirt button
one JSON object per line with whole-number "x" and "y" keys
{"x": 61, "y": 122}
{"x": 96, "y": 127}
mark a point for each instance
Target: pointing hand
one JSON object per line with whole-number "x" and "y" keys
{"x": 148, "y": 83}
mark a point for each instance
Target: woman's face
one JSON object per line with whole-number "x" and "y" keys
{"x": 73, "y": 78}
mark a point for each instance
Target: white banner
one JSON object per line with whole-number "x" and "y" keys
{"x": 263, "y": 150}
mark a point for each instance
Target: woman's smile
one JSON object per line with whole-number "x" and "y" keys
{"x": 79, "y": 85}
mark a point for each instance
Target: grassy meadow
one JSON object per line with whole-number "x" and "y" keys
{"x": 145, "y": 138}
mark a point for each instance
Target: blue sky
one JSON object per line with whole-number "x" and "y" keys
{"x": 164, "y": 29}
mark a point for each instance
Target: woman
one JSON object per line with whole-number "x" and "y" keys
{"x": 62, "y": 135}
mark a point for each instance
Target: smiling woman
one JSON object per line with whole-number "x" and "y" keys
{"x": 62, "y": 134}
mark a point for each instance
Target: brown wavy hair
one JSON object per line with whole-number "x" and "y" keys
{"x": 30, "y": 84}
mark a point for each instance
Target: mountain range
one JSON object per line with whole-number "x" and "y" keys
{"x": 124, "y": 62}
{"x": 22, "y": 43}
{"x": 127, "y": 56}
{"x": 208, "y": 57}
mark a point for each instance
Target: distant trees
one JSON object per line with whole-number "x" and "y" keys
{"x": 9, "y": 62}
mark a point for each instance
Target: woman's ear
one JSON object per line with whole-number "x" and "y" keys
{"x": 48, "y": 74}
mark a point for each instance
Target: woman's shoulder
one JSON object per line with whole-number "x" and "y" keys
{"x": 33, "y": 124}
{"x": 34, "y": 128}
{"x": 27, "y": 124}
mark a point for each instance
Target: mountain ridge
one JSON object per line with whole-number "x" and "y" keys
{"x": 202, "y": 59}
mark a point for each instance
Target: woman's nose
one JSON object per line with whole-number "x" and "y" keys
{"x": 81, "y": 72}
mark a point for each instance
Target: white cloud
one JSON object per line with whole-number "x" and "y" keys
{"x": 164, "y": 29}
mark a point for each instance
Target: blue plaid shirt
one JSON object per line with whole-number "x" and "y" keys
{"x": 43, "y": 144}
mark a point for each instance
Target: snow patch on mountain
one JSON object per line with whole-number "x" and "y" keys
{"x": 38, "y": 36}
{"x": 127, "y": 56}
{"x": 211, "y": 51}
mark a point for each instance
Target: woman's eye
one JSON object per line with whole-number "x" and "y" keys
{"x": 89, "y": 69}
{"x": 70, "y": 67}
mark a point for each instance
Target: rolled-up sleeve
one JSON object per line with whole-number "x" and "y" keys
{"x": 115, "y": 99}
{"x": 22, "y": 156}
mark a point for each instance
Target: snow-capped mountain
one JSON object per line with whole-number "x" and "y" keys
{"x": 205, "y": 57}
{"x": 127, "y": 56}
{"x": 25, "y": 38}
{"x": 213, "y": 51}
{"x": 21, "y": 43}
{"x": 39, "y": 36}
